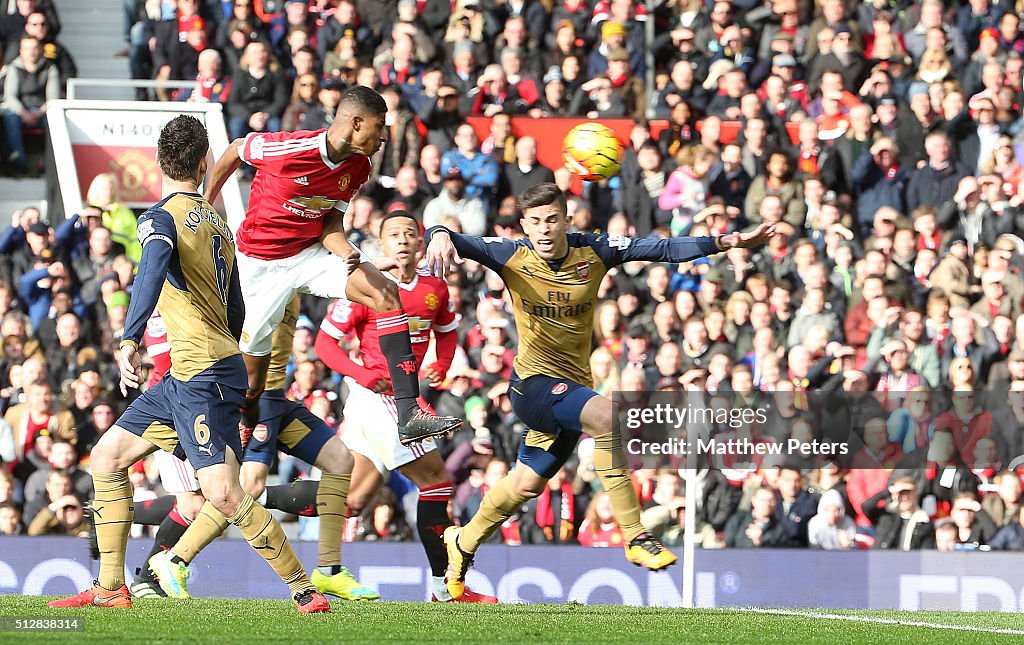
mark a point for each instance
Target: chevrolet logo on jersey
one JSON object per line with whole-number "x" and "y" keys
{"x": 416, "y": 326}
{"x": 315, "y": 205}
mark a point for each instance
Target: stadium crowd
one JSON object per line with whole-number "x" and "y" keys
{"x": 881, "y": 138}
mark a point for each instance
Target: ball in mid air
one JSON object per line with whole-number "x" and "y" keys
{"x": 592, "y": 152}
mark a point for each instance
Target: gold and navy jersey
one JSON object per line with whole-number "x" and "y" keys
{"x": 553, "y": 301}
{"x": 281, "y": 351}
{"x": 188, "y": 268}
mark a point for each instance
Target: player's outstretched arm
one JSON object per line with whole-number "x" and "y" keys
{"x": 617, "y": 250}
{"x": 224, "y": 168}
{"x": 446, "y": 248}
{"x": 748, "y": 240}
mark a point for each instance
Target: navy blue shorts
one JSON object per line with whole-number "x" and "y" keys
{"x": 197, "y": 420}
{"x": 287, "y": 426}
{"x": 551, "y": 409}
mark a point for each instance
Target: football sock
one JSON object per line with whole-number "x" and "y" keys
{"x": 154, "y": 511}
{"x": 499, "y": 504}
{"x": 610, "y": 464}
{"x": 205, "y": 528}
{"x": 393, "y": 330}
{"x": 112, "y": 513}
{"x": 170, "y": 531}
{"x": 431, "y": 521}
{"x": 266, "y": 536}
{"x": 297, "y": 498}
{"x": 330, "y": 503}
{"x": 440, "y": 588}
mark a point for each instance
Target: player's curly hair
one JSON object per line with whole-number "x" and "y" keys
{"x": 182, "y": 145}
{"x": 545, "y": 194}
{"x": 359, "y": 98}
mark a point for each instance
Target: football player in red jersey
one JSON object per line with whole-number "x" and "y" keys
{"x": 372, "y": 434}
{"x": 293, "y": 240}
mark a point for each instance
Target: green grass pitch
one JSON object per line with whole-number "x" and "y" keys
{"x": 255, "y": 621}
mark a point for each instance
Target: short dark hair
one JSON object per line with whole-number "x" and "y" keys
{"x": 182, "y": 145}
{"x": 546, "y": 194}
{"x": 363, "y": 99}
{"x": 650, "y": 145}
{"x": 786, "y": 466}
{"x": 779, "y": 152}
{"x": 395, "y": 214}
{"x": 742, "y": 368}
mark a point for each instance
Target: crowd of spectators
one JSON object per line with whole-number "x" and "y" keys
{"x": 881, "y": 139}
{"x": 35, "y": 70}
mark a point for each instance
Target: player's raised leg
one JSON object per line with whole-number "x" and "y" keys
{"x": 610, "y": 464}
{"x": 112, "y": 510}
{"x": 368, "y": 286}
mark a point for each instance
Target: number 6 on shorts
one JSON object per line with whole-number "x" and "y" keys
{"x": 201, "y": 430}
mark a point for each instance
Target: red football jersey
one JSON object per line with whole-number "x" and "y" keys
{"x": 425, "y": 301}
{"x": 296, "y": 184}
{"x": 159, "y": 350}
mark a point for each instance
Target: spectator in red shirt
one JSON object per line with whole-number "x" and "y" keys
{"x": 212, "y": 85}
{"x": 599, "y": 528}
{"x": 967, "y": 422}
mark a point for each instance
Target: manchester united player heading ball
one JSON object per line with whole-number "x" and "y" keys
{"x": 292, "y": 240}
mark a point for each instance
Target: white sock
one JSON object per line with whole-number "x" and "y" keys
{"x": 262, "y": 501}
{"x": 440, "y": 589}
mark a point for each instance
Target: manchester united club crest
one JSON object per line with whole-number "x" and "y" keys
{"x": 431, "y": 301}
{"x": 343, "y": 183}
{"x": 561, "y": 388}
{"x": 139, "y": 176}
{"x": 260, "y": 433}
{"x": 583, "y": 270}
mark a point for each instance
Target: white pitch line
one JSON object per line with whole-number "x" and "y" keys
{"x": 882, "y": 621}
